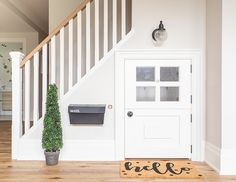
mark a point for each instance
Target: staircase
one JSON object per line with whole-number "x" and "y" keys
{"x": 71, "y": 52}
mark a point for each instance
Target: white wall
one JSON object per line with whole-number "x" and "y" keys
{"x": 228, "y": 153}
{"x": 146, "y": 16}
{"x": 59, "y": 9}
{"x": 99, "y": 89}
{"x": 214, "y": 39}
{"x": 228, "y": 74}
{"x": 214, "y": 83}
{"x": 183, "y": 19}
{"x": 221, "y": 56}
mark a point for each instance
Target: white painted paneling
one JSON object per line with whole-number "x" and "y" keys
{"x": 123, "y": 18}
{"x": 105, "y": 28}
{"x": 45, "y": 77}
{"x": 79, "y": 46}
{"x": 53, "y": 61}
{"x": 27, "y": 97}
{"x": 62, "y": 62}
{"x": 36, "y": 88}
{"x": 88, "y": 38}
{"x": 97, "y": 33}
{"x": 70, "y": 48}
{"x": 168, "y": 130}
{"x": 114, "y": 22}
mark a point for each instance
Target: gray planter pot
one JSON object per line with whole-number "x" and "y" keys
{"x": 52, "y": 158}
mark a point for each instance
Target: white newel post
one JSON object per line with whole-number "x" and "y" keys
{"x": 16, "y": 58}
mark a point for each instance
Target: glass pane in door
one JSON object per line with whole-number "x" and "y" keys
{"x": 169, "y": 74}
{"x": 169, "y": 94}
{"x": 145, "y": 74}
{"x": 145, "y": 94}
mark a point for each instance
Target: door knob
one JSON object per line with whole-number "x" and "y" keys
{"x": 130, "y": 114}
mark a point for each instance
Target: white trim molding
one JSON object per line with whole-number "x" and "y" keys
{"x": 212, "y": 156}
{"x": 198, "y": 92}
{"x": 73, "y": 150}
{"x": 221, "y": 160}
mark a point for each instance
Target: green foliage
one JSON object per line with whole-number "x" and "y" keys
{"x": 52, "y": 132}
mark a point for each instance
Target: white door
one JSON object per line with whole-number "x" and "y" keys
{"x": 158, "y": 109}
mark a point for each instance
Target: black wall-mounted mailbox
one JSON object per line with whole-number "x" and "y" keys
{"x": 86, "y": 114}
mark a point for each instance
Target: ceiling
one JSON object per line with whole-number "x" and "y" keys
{"x": 10, "y": 22}
{"x": 38, "y": 7}
{"x": 24, "y": 15}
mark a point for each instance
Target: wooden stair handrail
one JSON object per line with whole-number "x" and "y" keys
{"x": 54, "y": 32}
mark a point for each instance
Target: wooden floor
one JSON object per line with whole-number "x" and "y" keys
{"x": 34, "y": 171}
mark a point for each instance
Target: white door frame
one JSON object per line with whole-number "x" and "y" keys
{"x": 198, "y": 93}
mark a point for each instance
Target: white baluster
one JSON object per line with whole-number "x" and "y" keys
{"x": 62, "y": 61}
{"x": 70, "y": 53}
{"x": 16, "y": 58}
{"x": 97, "y": 31}
{"x": 53, "y": 60}
{"x": 88, "y": 44}
{"x": 114, "y": 22}
{"x": 123, "y": 18}
{"x": 36, "y": 87}
{"x": 27, "y": 96}
{"x": 79, "y": 45}
{"x": 45, "y": 77}
{"x": 105, "y": 27}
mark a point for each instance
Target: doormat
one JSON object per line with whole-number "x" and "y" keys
{"x": 163, "y": 169}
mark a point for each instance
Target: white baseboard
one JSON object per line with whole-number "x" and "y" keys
{"x": 88, "y": 150}
{"x": 212, "y": 156}
{"x": 30, "y": 149}
{"x": 228, "y": 161}
{"x": 221, "y": 160}
{"x": 73, "y": 150}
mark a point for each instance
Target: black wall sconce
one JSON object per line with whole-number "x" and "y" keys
{"x": 159, "y": 34}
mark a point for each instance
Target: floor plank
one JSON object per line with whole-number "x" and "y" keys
{"x": 37, "y": 171}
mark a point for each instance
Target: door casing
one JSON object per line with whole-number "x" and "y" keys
{"x": 198, "y": 95}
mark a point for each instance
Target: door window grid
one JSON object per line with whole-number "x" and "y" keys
{"x": 165, "y": 92}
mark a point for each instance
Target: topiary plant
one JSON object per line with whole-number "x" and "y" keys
{"x": 52, "y": 132}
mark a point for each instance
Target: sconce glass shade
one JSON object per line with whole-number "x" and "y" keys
{"x": 160, "y": 34}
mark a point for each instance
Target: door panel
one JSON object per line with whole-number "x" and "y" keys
{"x": 158, "y": 134}
{"x": 158, "y": 93}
